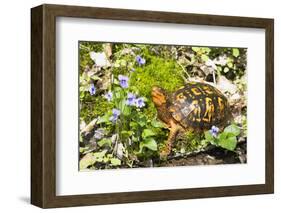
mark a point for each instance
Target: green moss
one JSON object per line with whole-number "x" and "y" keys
{"x": 97, "y": 107}
{"x": 156, "y": 72}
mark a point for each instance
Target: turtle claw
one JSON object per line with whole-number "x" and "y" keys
{"x": 163, "y": 155}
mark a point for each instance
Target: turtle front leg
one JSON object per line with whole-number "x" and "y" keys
{"x": 174, "y": 130}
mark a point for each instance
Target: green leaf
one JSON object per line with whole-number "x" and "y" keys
{"x": 219, "y": 68}
{"x": 195, "y": 49}
{"x": 182, "y": 150}
{"x": 123, "y": 63}
{"x": 117, "y": 89}
{"x": 206, "y": 49}
{"x": 204, "y": 57}
{"x": 83, "y": 149}
{"x": 126, "y": 110}
{"x": 149, "y": 143}
{"x": 235, "y": 52}
{"x": 98, "y": 156}
{"x": 127, "y": 134}
{"x": 147, "y": 133}
{"x": 104, "y": 141}
{"x": 135, "y": 139}
{"x": 228, "y": 143}
{"x": 119, "y": 63}
{"x": 141, "y": 121}
{"x": 223, "y": 136}
{"x": 230, "y": 64}
{"x": 233, "y": 129}
{"x": 115, "y": 81}
{"x": 226, "y": 69}
{"x": 157, "y": 124}
{"x": 133, "y": 125}
{"x": 122, "y": 105}
{"x": 104, "y": 119}
{"x": 115, "y": 162}
{"x": 208, "y": 136}
{"x": 94, "y": 77}
{"x": 86, "y": 161}
{"x": 82, "y": 95}
{"x": 204, "y": 142}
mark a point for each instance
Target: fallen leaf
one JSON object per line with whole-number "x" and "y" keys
{"x": 86, "y": 161}
{"x": 100, "y": 59}
{"x": 225, "y": 85}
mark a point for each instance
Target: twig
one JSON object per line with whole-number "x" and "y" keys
{"x": 90, "y": 126}
{"x": 184, "y": 78}
{"x": 194, "y": 153}
{"x": 214, "y": 77}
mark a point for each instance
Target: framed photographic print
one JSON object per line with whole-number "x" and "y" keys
{"x": 136, "y": 106}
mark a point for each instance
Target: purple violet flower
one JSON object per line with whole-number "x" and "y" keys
{"x": 139, "y": 102}
{"x": 108, "y": 96}
{"x": 123, "y": 80}
{"x": 131, "y": 99}
{"x": 140, "y": 60}
{"x": 92, "y": 89}
{"x": 115, "y": 115}
{"x": 214, "y": 131}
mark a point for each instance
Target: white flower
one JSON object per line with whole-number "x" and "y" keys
{"x": 100, "y": 59}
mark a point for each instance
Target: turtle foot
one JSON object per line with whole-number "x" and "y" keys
{"x": 165, "y": 153}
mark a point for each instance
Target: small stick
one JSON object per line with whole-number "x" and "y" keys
{"x": 89, "y": 127}
{"x": 185, "y": 80}
{"x": 214, "y": 77}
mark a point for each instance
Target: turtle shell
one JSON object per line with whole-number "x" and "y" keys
{"x": 198, "y": 106}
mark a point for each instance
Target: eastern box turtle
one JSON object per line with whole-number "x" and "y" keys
{"x": 194, "y": 107}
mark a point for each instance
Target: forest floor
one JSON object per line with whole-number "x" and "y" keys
{"x": 213, "y": 156}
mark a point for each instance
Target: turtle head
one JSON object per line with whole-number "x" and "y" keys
{"x": 159, "y": 96}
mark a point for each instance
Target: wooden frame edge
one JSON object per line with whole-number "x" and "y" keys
{"x": 36, "y": 106}
{"x": 43, "y": 105}
{"x": 269, "y": 119}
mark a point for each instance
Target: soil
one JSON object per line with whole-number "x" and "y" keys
{"x": 213, "y": 156}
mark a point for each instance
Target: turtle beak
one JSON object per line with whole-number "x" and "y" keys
{"x": 158, "y": 96}
{"x": 156, "y": 91}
